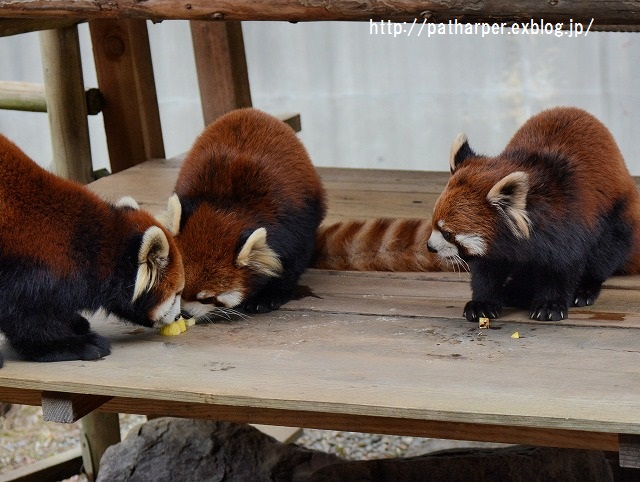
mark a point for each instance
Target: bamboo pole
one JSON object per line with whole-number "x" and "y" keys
{"x": 66, "y": 104}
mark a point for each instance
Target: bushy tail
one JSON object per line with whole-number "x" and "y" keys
{"x": 383, "y": 244}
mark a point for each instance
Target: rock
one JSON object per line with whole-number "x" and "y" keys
{"x": 513, "y": 464}
{"x": 171, "y": 449}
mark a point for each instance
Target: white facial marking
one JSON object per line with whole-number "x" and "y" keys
{"x": 196, "y": 309}
{"x": 444, "y": 248}
{"x": 166, "y": 312}
{"x": 230, "y": 299}
{"x": 474, "y": 243}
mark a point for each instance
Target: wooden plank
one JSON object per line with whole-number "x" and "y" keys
{"x": 629, "y": 451}
{"x": 222, "y": 67}
{"x": 15, "y": 26}
{"x": 57, "y": 467}
{"x": 373, "y": 424}
{"x": 125, "y": 78}
{"x": 554, "y": 377}
{"x": 66, "y": 104}
{"x": 68, "y": 407}
{"x": 605, "y": 12}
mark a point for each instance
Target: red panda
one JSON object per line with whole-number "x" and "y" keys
{"x": 64, "y": 250}
{"x": 543, "y": 224}
{"x": 244, "y": 214}
{"x": 382, "y": 244}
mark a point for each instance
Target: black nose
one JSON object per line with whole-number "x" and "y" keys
{"x": 431, "y": 248}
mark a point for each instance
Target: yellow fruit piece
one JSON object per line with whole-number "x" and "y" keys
{"x": 190, "y": 322}
{"x": 172, "y": 329}
{"x": 483, "y": 322}
{"x": 515, "y": 335}
{"x": 181, "y": 325}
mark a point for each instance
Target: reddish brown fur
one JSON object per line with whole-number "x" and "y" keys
{"x": 31, "y": 199}
{"x": 382, "y": 244}
{"x": 250, "y": 170}
{"x": 601, "y": 175}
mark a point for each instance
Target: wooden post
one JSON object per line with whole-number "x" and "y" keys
{"x": 222, "y": 67}
{"x": 66, "y": 103}
{"x": 125, "y": 78}
{"x": 99, "y": 431}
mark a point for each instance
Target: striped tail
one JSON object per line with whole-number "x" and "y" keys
{"x": 383, "y": 244}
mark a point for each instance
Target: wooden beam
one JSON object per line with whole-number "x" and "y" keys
{"x": 293, "y": 120}
{"x": 222, "y": 67}
{"x": 15, "y": 26}
{"x": 69, "y": 407}
{"x": 605, "y": 12}
{"x": 125, "y": 78}
{"x": 57, "y": 467}
{"x": 629, "y": 451}
{"x": 31, "y": 97}
{"x": 66, "y": 104}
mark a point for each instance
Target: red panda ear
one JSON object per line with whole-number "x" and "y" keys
{"x": 152, "y": 258}
{"x": 509, "y": 195}
{"x": 127, "y": 202}
{"x": 460, "y": 151}
{"x": 170, "y": 219}
{"x": 257, "y": 255}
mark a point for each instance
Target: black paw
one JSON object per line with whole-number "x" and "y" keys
{"x": 87, "y": 347}
{"x": 262, "y": 306}
{"x": 585, "y": 296}
{"x": 548, "y": 311}
{"x": 481, "y": 309}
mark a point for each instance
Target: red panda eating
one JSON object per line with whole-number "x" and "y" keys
{"x": 64, "y": 250}
{"x": 543, "y": 224}
{"x": 247, "y": 204}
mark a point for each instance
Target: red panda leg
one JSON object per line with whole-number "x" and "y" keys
{"x": 488, "y": 278}
{"x": 49, "y": 339}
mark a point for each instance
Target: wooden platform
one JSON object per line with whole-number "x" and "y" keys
{"x": 378, "y": 352}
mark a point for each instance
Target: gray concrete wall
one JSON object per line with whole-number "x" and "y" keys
{"x": 375, "y": 100}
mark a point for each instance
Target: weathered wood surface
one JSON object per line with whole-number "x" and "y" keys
{"x": 379, "y": 352}
{"x": 604, "y": 12}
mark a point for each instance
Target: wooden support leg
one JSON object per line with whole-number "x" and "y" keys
{"x": 222, "y": 67}
{"x": 629, "y": 451}
{"x": 99, "y": 431}
{"x": 66, "y": 103}
{"x": 125, "y": 77}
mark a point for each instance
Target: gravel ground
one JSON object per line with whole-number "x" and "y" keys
{"x": 26, "y": 439}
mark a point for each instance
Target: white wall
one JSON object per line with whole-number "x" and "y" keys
{"x": 376, "y": 101}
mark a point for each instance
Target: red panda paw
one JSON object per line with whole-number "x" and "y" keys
{"x": 474, "y": 310}
{"x": 549, "y": 311}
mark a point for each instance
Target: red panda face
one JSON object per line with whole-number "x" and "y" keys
{"x": 213, "y": 281}
{"x": 160, "y": 275}
{"x": 463, "y": 223}
{"x": 223, "y": 258}
{"x": 482, "y": 194}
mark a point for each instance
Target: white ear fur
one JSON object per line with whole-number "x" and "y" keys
{"x": 127, "y": 202}
{"x": 258, "y": 255}
{"x": 458, "y": 142}
{"x": 170, "y": 219}
{"x": 509, "y": 195}
{"x": 152, "y": 258}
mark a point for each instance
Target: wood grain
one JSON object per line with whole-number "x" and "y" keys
{"x": 69, "y": 407}
{"x": 606, "y": 12}
{"x": 125, "y": 77}
{"x": 378, "y": 352}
